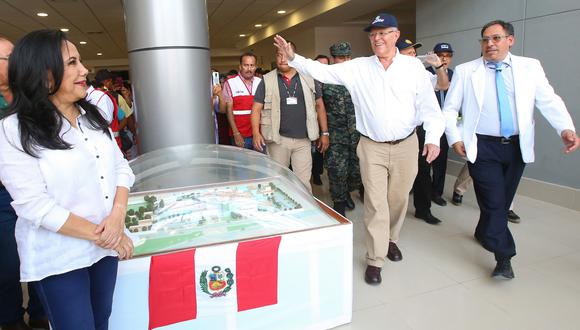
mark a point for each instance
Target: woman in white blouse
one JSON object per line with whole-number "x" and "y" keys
{"x": 69, "y": 182}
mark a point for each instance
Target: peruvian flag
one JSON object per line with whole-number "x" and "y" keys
{"x": 213, "y": 280}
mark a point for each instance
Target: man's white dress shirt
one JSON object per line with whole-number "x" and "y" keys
{"x": 389, "y": 103}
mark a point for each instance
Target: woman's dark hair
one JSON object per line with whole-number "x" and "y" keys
{"x": 35, "y": 58}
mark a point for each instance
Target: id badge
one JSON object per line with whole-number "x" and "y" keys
{"x": 291, "y": 100}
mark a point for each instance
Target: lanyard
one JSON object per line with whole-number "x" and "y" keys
{"x": 251, "y": 84}
{"x": 291, "y": 92}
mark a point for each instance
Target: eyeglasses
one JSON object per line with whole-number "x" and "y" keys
{"x": 494, "y": 38}
{"x": 381, "y": 34}
{"x": 442, "y": 55}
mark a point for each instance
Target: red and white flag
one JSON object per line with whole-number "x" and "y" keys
{"x": 213, "y": 280}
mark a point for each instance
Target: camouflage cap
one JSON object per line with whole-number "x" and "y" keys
{"x": 341, "y": 49}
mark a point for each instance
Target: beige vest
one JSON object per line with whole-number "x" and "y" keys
{"x": 270, "y": 116}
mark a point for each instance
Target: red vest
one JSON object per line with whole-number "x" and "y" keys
{"x": 243, "y": 99}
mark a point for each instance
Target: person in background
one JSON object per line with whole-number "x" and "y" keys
{"x": 497, "y": 94}
{"x": 341, "y": 160}
{"x": 238, "y": 95}
{"x": 444, "y": 51}
{"x": 317, "y": 157}
{"x": 408, "y": 47}
{"x": 126, "y": 92}
{"x": 104, "y": 81}
{"x": 11, "y": 311}
{"x": 423, "y": 185}
{"x": 69, "y": 181}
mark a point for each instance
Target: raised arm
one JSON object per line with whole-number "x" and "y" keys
{"x": 337, "y": 74}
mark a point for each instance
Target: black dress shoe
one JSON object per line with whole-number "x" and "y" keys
{"x": 349, "y": 202}
{"x": 457, "y": 199}
{"x": 513, "y": 217}
{"x": 20, "y": 325}
{"x": 503, "y": 270}
{"x": 429, "y": 218}
{"x": 394, "y": 254}
{"x": 340, "y": 208}
{"x": 439, "y": 200}
{"x": 373, "y": 275}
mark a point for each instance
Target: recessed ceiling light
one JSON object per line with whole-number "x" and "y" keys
{"x": 281, "y": 12}
{"x": 258, "y": 25}
{"x": 64, "y": 30}
{"x": 99, "y": 54}
{"x": 242, "y": 35}
{"x": 41, "y": 14}
{"x": 83, "y": 42}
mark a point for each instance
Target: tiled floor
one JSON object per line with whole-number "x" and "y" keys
{"x": 443, "y": 281}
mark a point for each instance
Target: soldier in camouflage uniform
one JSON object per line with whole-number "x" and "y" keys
{"x": 341, "y": 159}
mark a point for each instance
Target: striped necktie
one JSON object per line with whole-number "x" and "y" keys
{"x": 506, "y": 121}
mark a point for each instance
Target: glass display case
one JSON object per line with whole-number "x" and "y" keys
{"x": 230, "y": 218}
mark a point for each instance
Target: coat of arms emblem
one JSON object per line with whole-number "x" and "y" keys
{"x": 216, "y": 283}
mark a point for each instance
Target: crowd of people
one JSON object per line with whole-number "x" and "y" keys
{"x": 381, "y": 125}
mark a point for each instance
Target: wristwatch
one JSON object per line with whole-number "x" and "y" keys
{"x": 324, "y": 133}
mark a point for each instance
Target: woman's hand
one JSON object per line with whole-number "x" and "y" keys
{"x": 110, "y": 230}
{"x": 125, "y": 248}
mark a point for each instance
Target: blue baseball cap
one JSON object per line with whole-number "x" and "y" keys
{"x": 383, "y": 20}
{"x": 442, "y": 47}
{"x": 406, "y": 43}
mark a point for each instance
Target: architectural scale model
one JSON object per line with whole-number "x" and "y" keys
{"x": 195, "y": 216}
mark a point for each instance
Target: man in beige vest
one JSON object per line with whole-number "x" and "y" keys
{"x": 287, "y": 115}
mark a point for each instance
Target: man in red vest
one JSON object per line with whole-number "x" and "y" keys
{"x": 238, "y": 94}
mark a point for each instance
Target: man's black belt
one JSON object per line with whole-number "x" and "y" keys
{"x": 500, "y": 139}
{"x": 394, "y": 141}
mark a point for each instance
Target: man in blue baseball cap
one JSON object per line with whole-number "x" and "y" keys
{"x": 408, "y": 47}
{"x": 444, "y": 51}
{"x": 392, "y": 95}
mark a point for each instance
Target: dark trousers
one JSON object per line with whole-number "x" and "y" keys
{"x": 317, "y": 163}
{"x": 82, "y": 298}
{"x": 496, "y": 174}
{"x": 11, "y": 310}
{"x": 343, "y": 169}
{"x": 440, "y": 167}
{"x": 422, "y": 184}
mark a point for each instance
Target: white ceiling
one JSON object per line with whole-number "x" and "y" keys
{"x": 100, "y": 22}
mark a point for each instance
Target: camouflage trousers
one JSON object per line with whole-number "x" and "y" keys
{"x": 343, "y": 170}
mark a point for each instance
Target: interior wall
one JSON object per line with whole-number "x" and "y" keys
{"x": 265, "y": 50}
{"x": 546, "y": 30}
{"x": 324, "y": 37}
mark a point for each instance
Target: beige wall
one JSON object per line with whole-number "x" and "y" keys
{"x": 314, "y": 41}
{"x": 546, "y": 30}
{"x": 265, "y": 51}
{"x": 326, "y": 36}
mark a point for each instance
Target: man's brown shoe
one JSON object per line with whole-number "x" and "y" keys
{"x": 394, "y": 254}
{"x": 373, "y": 275}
